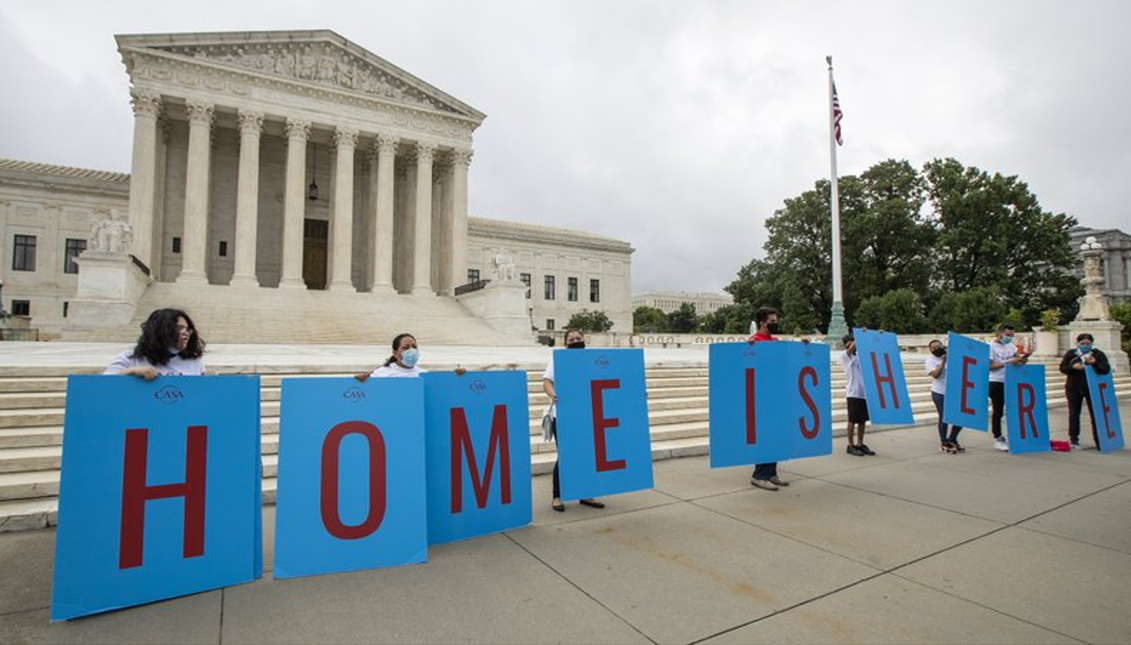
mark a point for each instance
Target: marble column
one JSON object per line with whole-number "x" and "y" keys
{"x": 422, "y": 222}
{"x": 441, "y": 224}
{"x": 143, "y": 176}
{"x": 294, "y": 204}
{"x": 247, "y": 199}
{"x": 461, "y": 160}
{"x": 385, "y": 149}
{"x": 194, "y": 247}
{"x": 341, "y": 230}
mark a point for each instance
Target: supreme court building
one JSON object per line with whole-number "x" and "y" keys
{"x": 288, "y": 160}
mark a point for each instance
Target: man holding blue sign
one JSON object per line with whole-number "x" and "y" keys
{"x": 159, "y": 492}
{"x": 477, "y": 441}
{"x": 1076, "y": 384}
{"x": 1002, "y": 353}
{"x": 1028, "y": 420}
{"x": 602, "y": 421}
{"x": 885, "y": 386}
{"x": 765, "y": 475}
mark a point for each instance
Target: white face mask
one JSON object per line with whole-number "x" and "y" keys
{"x": 410, "y": 357}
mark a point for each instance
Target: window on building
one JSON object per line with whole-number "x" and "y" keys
{"x": 21, "y": 307}
{"x": 549, "y": 291}
{"x": 550, "y": 324}
{"x": 176, "y": 245}
{"x": 74, "y": 249}
{"x": 473, "y": 275}
{"x": 23, "y": 256}
{"x": 66, "y": 306}
{"x": 594, "y": 291}
{"x": 571, "y": 289}
{"x": 223, "y": 249}
{"x": 525, "y": 277}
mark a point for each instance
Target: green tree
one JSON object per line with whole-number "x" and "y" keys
{"x": 1122, "y": 313}
{"x": 590, "y": 321}
{"x": 975, "y": 310}
{"x": 649, "y": 319}
{"x": 993, "y": 232}
{"x": 901, "y": 311}
{"x": 683, "y": 320}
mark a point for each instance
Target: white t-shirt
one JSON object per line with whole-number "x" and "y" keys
{"x": 392, "y": 370}
{"x": 176, "y": 366}
{"x": 854, "y": 378}
{"x": 548, "y": 373}
{"x": 1000, "y": 353}
{"x": 938, "y": 384}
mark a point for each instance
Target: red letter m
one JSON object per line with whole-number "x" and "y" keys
{"x": 461, "y": 446}
{"x": 135, "y": 493}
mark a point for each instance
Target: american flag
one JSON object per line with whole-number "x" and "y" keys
{"x": 837, "y": 114}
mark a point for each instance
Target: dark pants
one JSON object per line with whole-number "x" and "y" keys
{"x": 766, "y": 471}
{"x": 557, "y": 482}
{"x": 1076, "y": 397}
{"x": 997, "y": 398}
{"x": 940, "y": 402}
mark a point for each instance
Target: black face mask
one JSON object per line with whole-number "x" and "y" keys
{"x": 940, "y": 352}
{"x": 773, "y": 328}
{"x": 577, "y": 344}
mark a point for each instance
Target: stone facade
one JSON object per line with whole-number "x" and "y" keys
{"x": 565, "y": 271}
{"x": 1115, "y": 265}
{"x": 284, "y": 159}
{"x": 669, "y": 301}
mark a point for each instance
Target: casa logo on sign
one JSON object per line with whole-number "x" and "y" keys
{"x": 477, "y": 386}
{"x": 601, "y": 362}
{"x": 354, "y": 395}
{"x": 749, "y": 353}
{"x": 169, "y": 394}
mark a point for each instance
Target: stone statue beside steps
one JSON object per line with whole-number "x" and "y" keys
{"x": 111, "y": 234}
{"x": 504, "y": 268}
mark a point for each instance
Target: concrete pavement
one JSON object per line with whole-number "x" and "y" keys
{"x": 908, "y": 546}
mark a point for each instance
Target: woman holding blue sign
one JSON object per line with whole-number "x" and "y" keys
{"x": 403, "y": 362}
{"x": 168, "y": 345}
{"x": 935, "y": 366}
{"x": 574, "y": 339}
{"x": 1076, "y": 384}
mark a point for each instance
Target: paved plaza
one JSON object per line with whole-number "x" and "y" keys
{"x": 911, "y": 546}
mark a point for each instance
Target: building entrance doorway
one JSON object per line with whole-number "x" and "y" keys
{"x": 316, "y": 233}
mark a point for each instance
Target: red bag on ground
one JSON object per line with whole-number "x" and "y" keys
{"x": 1060, "y": 446}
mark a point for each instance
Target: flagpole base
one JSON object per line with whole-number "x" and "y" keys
{"x": 837, "y": 327}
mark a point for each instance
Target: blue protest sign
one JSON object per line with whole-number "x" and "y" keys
{"x": 477, "y": 447}
{"x": 1026, "y": 409}
{"x": 885, "y": 387}
{"x": 602, "y": 424}
{"x": 967, "y": 382}
{"x": 793, "y": 380}
{"x": 351, "y": 475}
{"x": 159, "y": 494}
{"x": 1109, "y": 427}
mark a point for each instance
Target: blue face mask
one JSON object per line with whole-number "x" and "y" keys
{"x": 1007, "y": 340}
{"x": 410, "y": 357}
{"x": 1084, "y": 349}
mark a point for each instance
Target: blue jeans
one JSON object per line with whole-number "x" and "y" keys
{"x": 940, "y": 403}
{"x": 766, "y": 471}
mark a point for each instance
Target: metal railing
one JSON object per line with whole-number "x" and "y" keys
{"x": 471, "y": 286}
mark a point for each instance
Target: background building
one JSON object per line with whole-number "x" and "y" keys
{"x": 669, "y": 301}
{"x": 1116, "y": 263}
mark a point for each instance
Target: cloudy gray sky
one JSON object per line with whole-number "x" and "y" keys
{"x": 677, "y": 126}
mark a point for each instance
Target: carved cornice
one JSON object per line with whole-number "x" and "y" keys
{"x": 197, "y": 74}
{"x": 145, "y": 103}
{"x": 200, "y": 112}
{"x": 251, "y": 122}
{"x": 345, "y": 137}
{"x": 298, "y": 129}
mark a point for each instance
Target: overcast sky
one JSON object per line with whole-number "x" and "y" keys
{"x": 677, "y": 126}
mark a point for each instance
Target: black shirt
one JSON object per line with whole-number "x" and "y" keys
{"x": 1077, "y": 380}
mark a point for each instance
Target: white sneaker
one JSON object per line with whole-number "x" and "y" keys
{"x": 1073, "y": 446}
{"x": 1001, "y": 445}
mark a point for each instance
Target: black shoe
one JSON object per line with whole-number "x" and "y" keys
{"x": 865, "y": 450}
{"x": 854, "y": 451}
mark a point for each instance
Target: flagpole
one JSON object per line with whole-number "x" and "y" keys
{"x": 837, "y": 327}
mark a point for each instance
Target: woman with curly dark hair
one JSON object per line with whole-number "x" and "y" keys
{"x": 168, "y": 345}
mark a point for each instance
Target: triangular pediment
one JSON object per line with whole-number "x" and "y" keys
{"x": 313, "y": 57}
